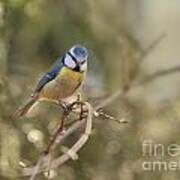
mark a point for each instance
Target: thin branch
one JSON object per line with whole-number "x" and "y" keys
{"x": 152, "y": 46}
{"x": 121, "y": 93}
{"x": 46, "y": 155}
{"x": 35, "y": 169}
{"x": 72, "y": 152}
{"x": 79, "y": 124}
{"x": 159, "y": 74}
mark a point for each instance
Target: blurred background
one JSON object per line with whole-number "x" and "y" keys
{"x": 120, "y": 35}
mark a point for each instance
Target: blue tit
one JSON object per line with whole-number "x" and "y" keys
{"x": 62, "y": 82}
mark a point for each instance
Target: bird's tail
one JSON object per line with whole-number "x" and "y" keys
{"x": 23, "y": 110}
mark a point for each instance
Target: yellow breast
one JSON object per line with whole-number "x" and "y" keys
{"x": 64, "y": 85}
{"x": 70, "y": 73}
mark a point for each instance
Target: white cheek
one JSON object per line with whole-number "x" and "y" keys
{"x": 69, "y": 62}
{"x": 84, "y": 67}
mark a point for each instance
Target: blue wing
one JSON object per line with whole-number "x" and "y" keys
{"x": 50, "y": 75}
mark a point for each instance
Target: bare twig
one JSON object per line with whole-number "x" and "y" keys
{"x": 159, "y": 74}
{"x": 152, "y": 46}
{"x": 35, "y": 169}
{"x": 46, "y": 155}
{"x": 72, "y": 152}
{"x": 103, "y": 114}
{"x": 118, "y": 95}
{"x": 79, "y": 144}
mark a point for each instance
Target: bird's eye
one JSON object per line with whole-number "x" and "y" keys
{"x": 82, "y": 62}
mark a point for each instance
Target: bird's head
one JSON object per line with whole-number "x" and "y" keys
{"x": 76, "y": 58}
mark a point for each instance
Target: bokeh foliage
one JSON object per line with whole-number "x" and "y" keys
{"x": 33, "y": 33}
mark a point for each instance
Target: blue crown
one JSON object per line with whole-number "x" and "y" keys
{"x": 80, "y": 51}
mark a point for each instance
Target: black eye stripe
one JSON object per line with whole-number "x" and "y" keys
{"x": 83, "y": 62}
{"x": 73, "y": 58}
{"x": 77, "y": 67}
{"x": 63, "y": 59}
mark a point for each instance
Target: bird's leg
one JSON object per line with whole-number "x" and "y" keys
{"x": 66, "y": 108}
{"x": 73, "y": 105}
{"x": 79, "y": 97}
{"x": 81, "y": 111}
{"x": 79, "y": 103}
{"x": 81, "y": 106}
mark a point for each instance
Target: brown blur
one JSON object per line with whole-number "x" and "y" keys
{"x": 119, "y": 35}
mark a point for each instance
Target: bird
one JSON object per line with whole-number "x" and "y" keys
{"x": 62, "y": 83}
